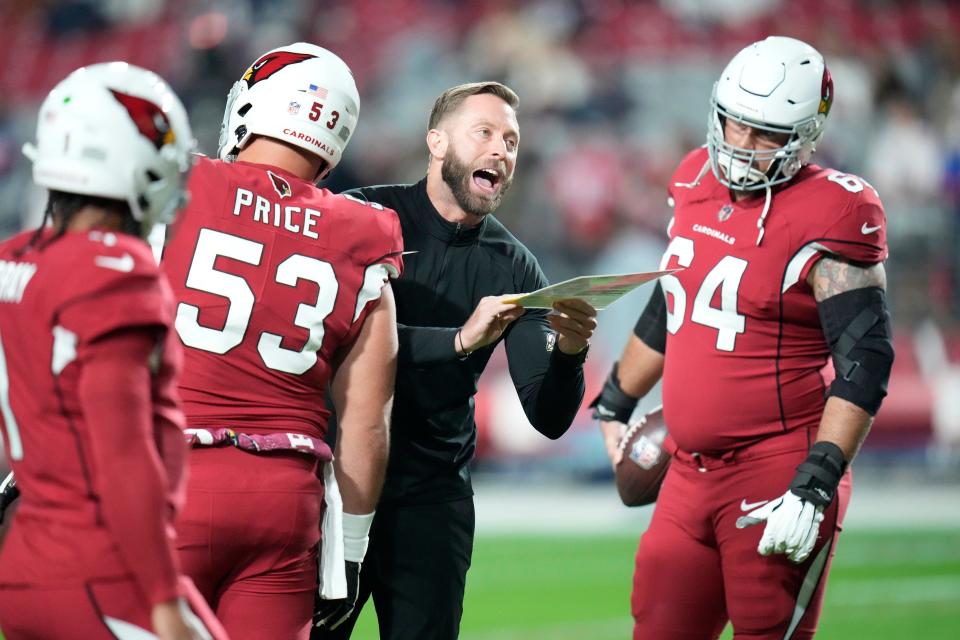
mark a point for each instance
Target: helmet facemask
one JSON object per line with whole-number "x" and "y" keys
{"x": 738, "y": 168}
{"x": 162, "y": 191}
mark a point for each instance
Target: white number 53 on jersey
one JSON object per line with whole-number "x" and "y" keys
{"x": 204, "y": 277}
{"x": 725, "y": 275}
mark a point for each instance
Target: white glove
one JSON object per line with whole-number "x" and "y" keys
{"x": 792, "y": 526}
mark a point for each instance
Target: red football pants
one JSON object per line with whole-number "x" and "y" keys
{"x": 248, "y": 537}
{"x": 695, "y": 570}
{"x": 100, "y": 609}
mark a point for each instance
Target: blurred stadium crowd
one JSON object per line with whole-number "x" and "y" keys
{"x": 613, "y": 93}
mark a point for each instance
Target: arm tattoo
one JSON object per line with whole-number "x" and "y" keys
{"x": 832, "y": 275}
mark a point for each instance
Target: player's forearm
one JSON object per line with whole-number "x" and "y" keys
{"x": 845, "y": 425}
{"x": 128, "y": 476}
{"x": 640, "y": 368}
{"x": 641, "y": 365}
{"x": 631, "y": 378}
{"x": 360, "y": 462}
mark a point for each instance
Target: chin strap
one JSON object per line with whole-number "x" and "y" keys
{"x": 763, "y": 214}
{"x": 695, "y": 181}
{"x": 766, "y": 205}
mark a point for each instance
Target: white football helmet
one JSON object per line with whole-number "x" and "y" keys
{"x": 116, "y": 131}
{"x": 301, "y": 94}
{"x": 780, "y": 85}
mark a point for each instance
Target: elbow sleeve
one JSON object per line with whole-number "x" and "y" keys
{"x": 856, "y": 325}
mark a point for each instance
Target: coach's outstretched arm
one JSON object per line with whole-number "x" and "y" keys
{"x": 432, "y": 346}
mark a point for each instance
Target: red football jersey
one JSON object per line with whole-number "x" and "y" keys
{"x": 273, "y": 276}
{"x": 744, "y": 344}
{"x": 53, "y": 302}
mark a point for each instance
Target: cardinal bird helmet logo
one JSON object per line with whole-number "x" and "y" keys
{"x": 272, "y": 62}
{"x": 149, "y": 118}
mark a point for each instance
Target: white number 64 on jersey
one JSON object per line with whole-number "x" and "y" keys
{"x": 726, "y": 276}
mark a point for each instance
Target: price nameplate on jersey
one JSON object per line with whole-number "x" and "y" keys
{"x": 598, "y": 291}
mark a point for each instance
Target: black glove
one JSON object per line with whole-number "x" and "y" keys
{"x": 8, "y": 493}
{"x": 331, "y": 614}
{"x": 613, "y": 403}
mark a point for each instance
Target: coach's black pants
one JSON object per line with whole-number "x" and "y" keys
{"x": 416, "y": 570}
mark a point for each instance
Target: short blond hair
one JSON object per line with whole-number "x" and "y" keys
{"x": 451, "y": 99}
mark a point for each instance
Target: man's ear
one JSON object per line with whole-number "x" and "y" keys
{"x": 437, "y": 142}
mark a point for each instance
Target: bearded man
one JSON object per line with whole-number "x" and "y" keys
{"x": 452, "y": 311}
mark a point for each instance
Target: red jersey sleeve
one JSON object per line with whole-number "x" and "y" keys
{"x": 861, "y": 232}
{"x": 381, "y": 248}
{"x": 112, "y": 286}
{"x": 389, "y": 223}
{"x": 132, "y": 485}
{"x": 378, "y": 238}
{"x": 847, "y": 221}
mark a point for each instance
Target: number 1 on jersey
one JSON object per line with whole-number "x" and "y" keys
{"x": 725, "y": 275}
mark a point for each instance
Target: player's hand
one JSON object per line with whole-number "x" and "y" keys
{"x": 792, "y": 526}
{"x": 173, "y": 620}
{"x": 8, "y": 495}
{"x": 487, "y": 323}
{"x": 574, "y": 321}
{"x": 793, "y": 520}
{"x": 332, "y": 613}
{"x": 613, "y": 432}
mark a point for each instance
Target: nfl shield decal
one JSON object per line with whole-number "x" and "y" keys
{"x": 725, "y": 212}
{"x": 645, "y": 452}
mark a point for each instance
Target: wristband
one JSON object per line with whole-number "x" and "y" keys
{"x": 819, "y": 475}
{"x": 613, "y": 403}
{"x": 356, "y": 535}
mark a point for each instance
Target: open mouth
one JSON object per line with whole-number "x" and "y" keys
{"x": 487, "y": 180}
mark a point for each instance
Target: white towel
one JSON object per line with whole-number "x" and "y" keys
{"x": 333, "y": 578}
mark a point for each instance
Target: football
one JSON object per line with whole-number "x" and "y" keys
{"x": 645, "y": 462}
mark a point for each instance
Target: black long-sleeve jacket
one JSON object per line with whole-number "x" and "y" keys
{"x": 433, "y": 433}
